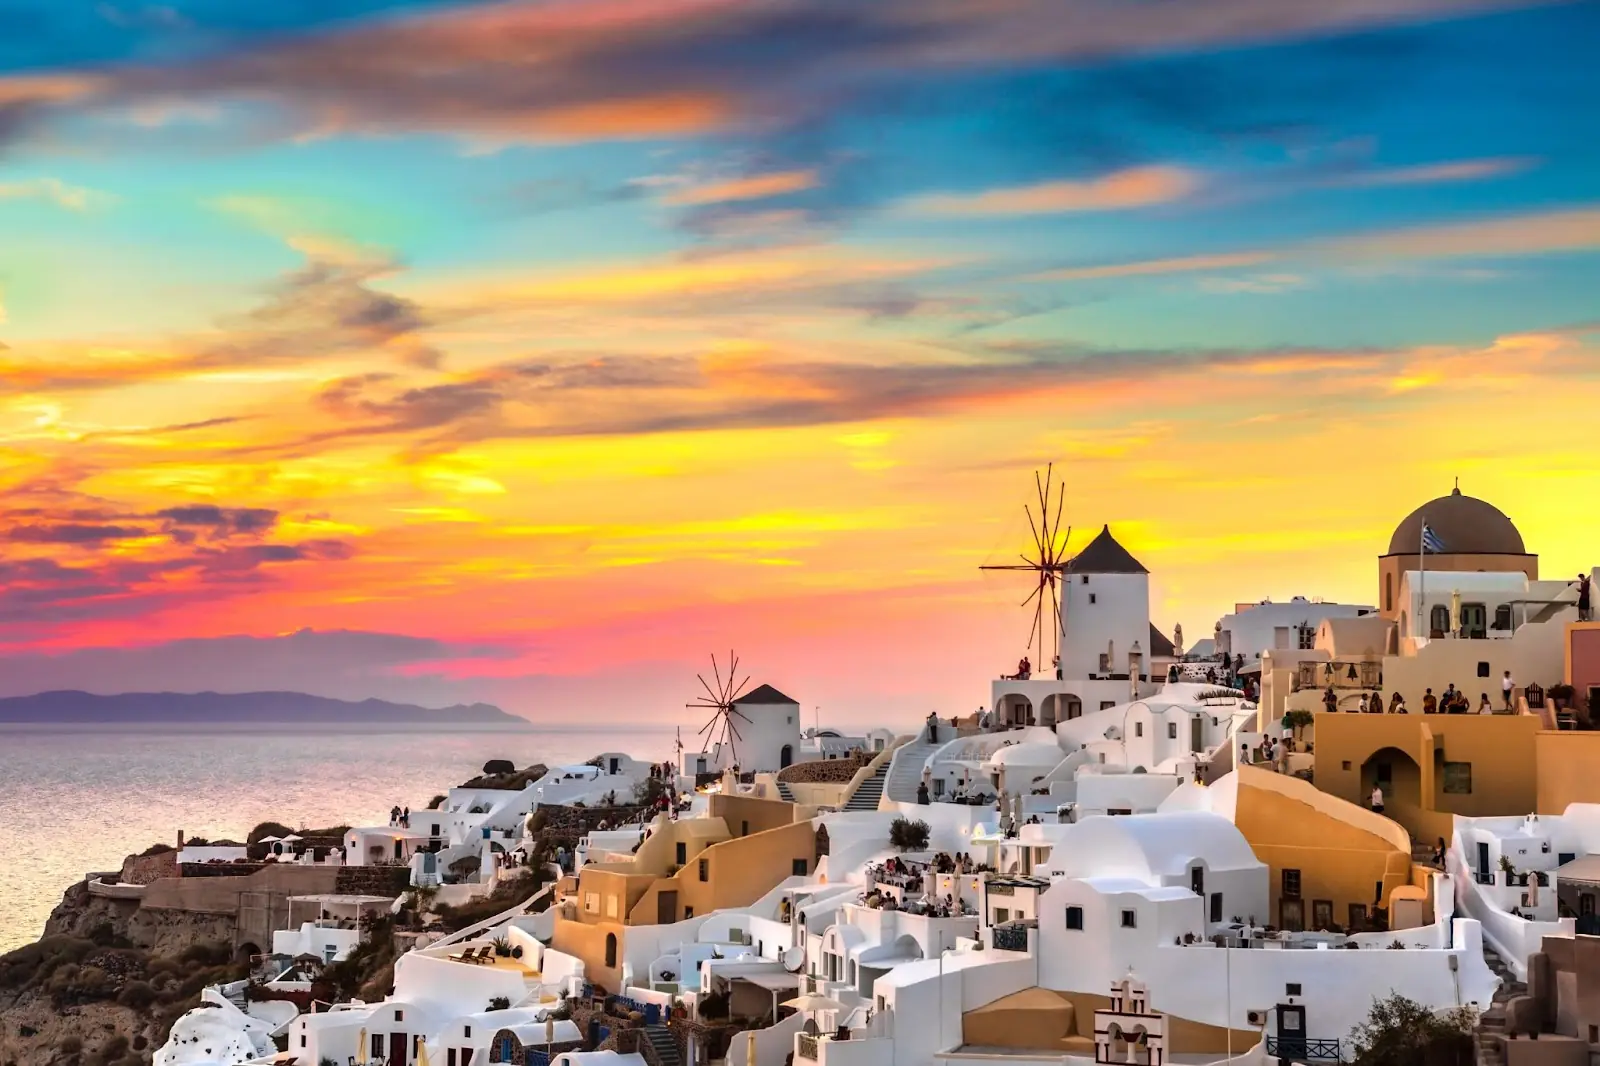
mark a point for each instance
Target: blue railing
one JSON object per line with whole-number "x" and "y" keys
{"x": 532, "y": 1057}
{"x": 1301, "y": 1049}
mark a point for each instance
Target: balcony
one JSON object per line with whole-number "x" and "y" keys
{"x": 1303, "y": 1049}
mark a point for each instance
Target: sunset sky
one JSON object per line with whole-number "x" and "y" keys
{"x": 529, "y": 351}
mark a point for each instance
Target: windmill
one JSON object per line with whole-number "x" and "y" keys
{"x": 1048, "y": 560}
{"x": 719, "y": 700}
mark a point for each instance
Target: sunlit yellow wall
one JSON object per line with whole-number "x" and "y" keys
{"x": 1568, "y": 769}
{"x": 1499, "y": 747}
{"x": 737, "y": 873}
{"x": 1338, "y": 861}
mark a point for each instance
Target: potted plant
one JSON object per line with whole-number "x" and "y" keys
{"x": 1507, "y": 869}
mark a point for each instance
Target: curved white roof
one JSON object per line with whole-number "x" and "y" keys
{"x": 1032, "y": 753}
{"x": 1148, "y": 847}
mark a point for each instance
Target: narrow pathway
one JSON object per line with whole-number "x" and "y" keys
{"x": 1492, "y": 1023}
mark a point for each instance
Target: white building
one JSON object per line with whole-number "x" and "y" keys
{"x": 1109, "y": 650}
{"x": 327, "y": 926}
{"x": 1253, "y": 628}
{"x": 767, "y": 727}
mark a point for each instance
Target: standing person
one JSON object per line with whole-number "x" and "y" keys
{"x": 1377, "y": 799}
{"x": 1507, "y": 686}
{"x": 1244, "y": 754}
{"x": 1430, "y": 702}
{"x": 933, "y": 727}
{"x": 1484, "y": 706}
{"x": 1583, "y": 598}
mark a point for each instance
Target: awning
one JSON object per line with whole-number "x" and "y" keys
{"x": 1585, "y": 871}
{"x": 773, "y": 982}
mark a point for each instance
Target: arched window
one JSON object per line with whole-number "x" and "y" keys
{"x": 1388, "y": 592}
{"x": 1439, "y": 619}
{"x": 611, "y": 951}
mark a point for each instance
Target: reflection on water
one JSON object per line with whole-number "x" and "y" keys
{"x": 81, "y": 799}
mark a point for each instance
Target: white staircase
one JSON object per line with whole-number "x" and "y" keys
{"x": 869, "y": 792}
{"x": 905, "y": 770}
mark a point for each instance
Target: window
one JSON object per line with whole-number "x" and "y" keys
{"x": 302, "y": 1040}
{"x": 1001, "y": 916}
{"x": 744, "y": 828}
{"x": 611, "y": 905}
{"x": 591, "y": 902}
{"x": 467, "y": 1032}
{"x": 377, "y": 1045}
{"x": 798, "y": 868}
{"x": 688, "y": 912}
{"x": 1216, "y": 906}
{"x": 1106, "y": 705}
{"x": 1091, "y": 597}
{"x": 611, "y": 950}
{"x": 1439, "y": 619}
{"x": 682, "y": 853}
{"x": 705, "y": 869}
{"x": 1321, "y": 913}
{"x": 1291, "y": 884}
{"x": 1130, "y": 919}
{"x": 1388, "y": 592}
{"x": 1344, "y": 764}
{"x": 1197, "y": 880}
{"x": 1105, "y": 663}
{"x": 1458, "y": 778}
{"x": 1292, "y": 988}
{"x": 1502, "y": 616}
{"x": 1172, "y": 730}
{"x": 1138, "y": 729}
{"x": 1085, "y": 579}
{"x": 1358, "y": 916}
{"x": 1308, "y": 638}
{"x": 1594, "y": 1034}
{"x": 399, "y": 1015}
{"x": 435, "y": 829}
{"x": 1075, "y": 918}
{"x": 1483, "y": 669}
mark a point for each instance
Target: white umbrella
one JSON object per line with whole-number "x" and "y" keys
{"x": 292, "y": 837}
{"x": 813, "y": 1002}
{"x": 270, "y": 840}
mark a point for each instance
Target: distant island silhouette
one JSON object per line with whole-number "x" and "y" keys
{"x": 242, "y": 708}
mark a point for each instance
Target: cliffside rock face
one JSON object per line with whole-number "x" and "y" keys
{"x": 160, "y": 932}
{"x": 34, "y": 1033}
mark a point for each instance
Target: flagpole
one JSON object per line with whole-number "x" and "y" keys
{"x": 1422, "y": 583}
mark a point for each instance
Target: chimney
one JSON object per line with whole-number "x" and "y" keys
{"x": 180, "y": 840}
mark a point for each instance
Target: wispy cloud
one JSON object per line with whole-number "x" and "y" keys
{"x": 628, "y": 68}
{"x": 1118, "y": 191}
{"x": 1438, "y": 173}
{"x": 752, "y": 187}
{"x": 54, "y": 191}
{"x": 1143, "y": 267}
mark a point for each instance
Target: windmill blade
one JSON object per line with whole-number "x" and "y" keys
{"x": 718, "y": 675}
{"x": 1061, "y": 501}
{"x": 716, "y": 697}
{"x": 739, "y": 690}
{"x": 1037, "y": 589}
{"x": 1033, "y": 528}
{"x": 1038, "y": 623}
{"x": 733, "y": 728}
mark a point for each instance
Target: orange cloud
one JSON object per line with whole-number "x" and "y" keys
{"x": 754, "y": 187}
{"x": 1140, "y": 268}
{"x": 1549, "y": 231}
{"x": 1119, "y": 191}
{"x": 1441, "y": 173}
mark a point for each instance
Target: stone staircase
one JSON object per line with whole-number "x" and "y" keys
{"x": 1422, "y": 855}
{"x": 785, "y": 792}
{"x": 1492, "y": 1022}
{"x": 658, "y": 1048}
{"x": 905, "y": 771}
{"x": 869, "y": 792}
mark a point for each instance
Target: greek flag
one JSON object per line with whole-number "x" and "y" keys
{"x": 1430, "y": 540}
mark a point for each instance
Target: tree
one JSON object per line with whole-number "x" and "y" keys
{"x": 1402, "y": 1032}
{"x": 1298, "y": 720}
{"x": 908, "y": 835}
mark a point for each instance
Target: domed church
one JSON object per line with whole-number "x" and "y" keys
{"x": 1468, "y": 534}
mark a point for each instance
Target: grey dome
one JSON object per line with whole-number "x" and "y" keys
{"x": 1465, "y": 525}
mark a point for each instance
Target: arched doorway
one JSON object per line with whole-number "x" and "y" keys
{"x": 1047, "y": 710}
{"x": 1400, "y": 778}
{"x": 786, "y": 756}
{"x": 1013, "y": 711}
{"x": 611, "y": 951}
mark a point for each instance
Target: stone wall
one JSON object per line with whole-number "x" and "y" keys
{"x": 826, "y": 771}
{"x": 219, "y": 869}
{"x": 142, "y": 869}
{"x": 372, "y": 880}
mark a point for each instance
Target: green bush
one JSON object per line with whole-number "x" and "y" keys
{"x": 1401, "y": 1032}
{"x": 268, "y": 829}
{"x": 137, "y": 995}
{"x": 908, "y": 835}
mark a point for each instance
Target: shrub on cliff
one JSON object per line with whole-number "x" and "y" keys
{"x": 499, "y": 766}
{"x": 267, "y": 829}
{"x": 137, "y": 995}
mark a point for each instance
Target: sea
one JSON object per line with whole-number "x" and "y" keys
{"x": 78, "y": 800}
